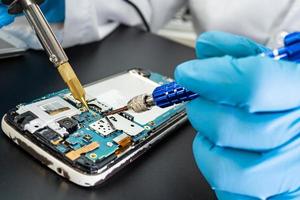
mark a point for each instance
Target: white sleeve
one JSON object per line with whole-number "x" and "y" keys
{"x": 92, "y": 20}
{"x": 163, "y": 11}
{"x": 95, "y": 19}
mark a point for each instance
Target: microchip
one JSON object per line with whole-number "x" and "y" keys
{"x": 69, "y": 124}
{"x": 87, "y": 138}
{"x": 48, "y": 134}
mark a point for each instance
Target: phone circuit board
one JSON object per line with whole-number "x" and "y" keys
{"x": 88, "y": 139}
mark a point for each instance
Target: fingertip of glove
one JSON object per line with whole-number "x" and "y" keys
{"x": 212, "y": 35}
{"x": 182, "y": 71}
{"x": 217, "y": 43}
{"x": 178, "y": 72}
{"x": 205, "y": 44}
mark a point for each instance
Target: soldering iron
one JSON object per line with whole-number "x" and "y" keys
{"x": 50, "y": 44}
{"x": 172, "y": 93}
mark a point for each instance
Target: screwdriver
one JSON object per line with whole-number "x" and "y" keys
{"x": 172, "y": 93}
{"x": 162, "y": 96}
{"x": 50, "y": 44}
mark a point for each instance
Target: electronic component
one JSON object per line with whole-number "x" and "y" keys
{"x": 129, "y": 127}
{"x": 70, "y": 97}
{"x": 62, "y": 148}
{"x": 45, "y": 113}
{"x": 58, "y": 129}
{"x": 93, "y": 156}
{"x": 109, "y": 144}
{"x": 87, "y": 117}
{"x": 87, "y": 138}
{"x": 127, "y": 116}
{"x": 73, "y": 155}
{"x": 54, "y": 108}
{"x": 98, "y": 106}
{"x": 50, "y": 110}
{"x": 24, "y": 119}
{"x": 69, "y": 124}
{"x": 123, "y": 140}
{"x": 50, "y": 136}
{"x": 71, "y": 141}
{"x": 103, "y": 126}
{"x": 34, "y": 125}
{"x": 78, "y": 118}
{"x": 56, "y": 141}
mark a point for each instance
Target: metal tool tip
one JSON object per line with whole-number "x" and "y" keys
{"x": 84, "y": 103}
{"x": 116, "y": 111}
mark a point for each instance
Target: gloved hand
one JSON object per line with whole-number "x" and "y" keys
{"x": 54, "y": 10}
{"x": 248, "y": 118}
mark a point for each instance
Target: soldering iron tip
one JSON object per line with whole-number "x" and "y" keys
{"x": 84, "y": 103}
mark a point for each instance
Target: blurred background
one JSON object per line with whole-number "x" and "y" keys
{"x": 180, "y": 28}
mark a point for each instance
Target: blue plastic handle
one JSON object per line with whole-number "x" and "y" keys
{"x": 292, "y": 38}
{"x": 171, "y": 94}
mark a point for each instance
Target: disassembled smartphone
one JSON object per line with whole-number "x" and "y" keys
{"x": 83, "y": 145}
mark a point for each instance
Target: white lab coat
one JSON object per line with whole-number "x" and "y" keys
{"x": 265, "y": 21}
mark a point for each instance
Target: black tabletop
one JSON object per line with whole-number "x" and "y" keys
{"x": 168, "y": 171}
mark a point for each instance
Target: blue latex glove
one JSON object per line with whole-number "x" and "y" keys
{"x": 54, "y": 10}
{"x": 248, "y": 118}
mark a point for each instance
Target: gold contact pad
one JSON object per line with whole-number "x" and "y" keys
{"x": 56, "y": 142}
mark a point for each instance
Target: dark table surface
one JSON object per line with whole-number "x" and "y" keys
{"x": 167, "y": 171}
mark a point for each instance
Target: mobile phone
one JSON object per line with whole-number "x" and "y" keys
{"x": 86, "y": 146}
